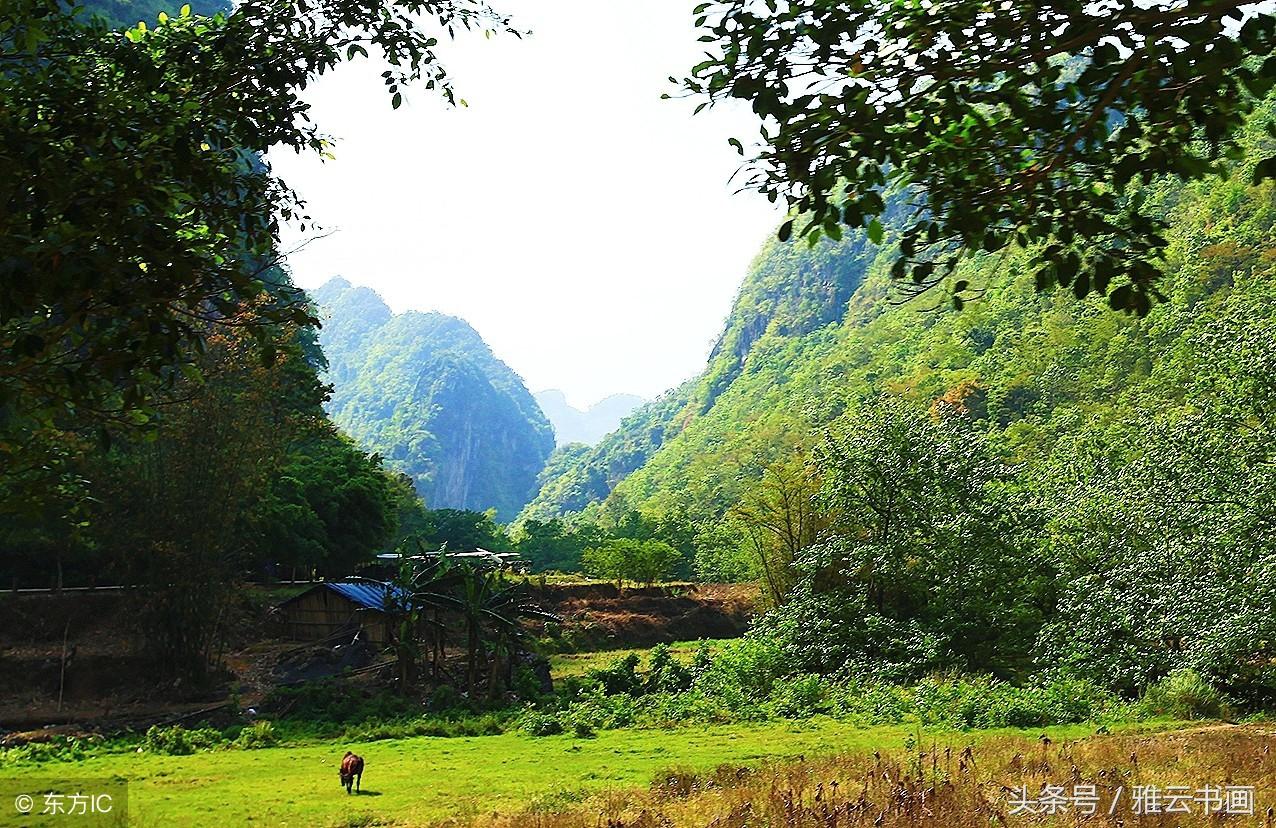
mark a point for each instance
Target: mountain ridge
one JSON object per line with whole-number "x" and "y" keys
{"x": 425, "y": 390}
{"x": 815, "y": 330}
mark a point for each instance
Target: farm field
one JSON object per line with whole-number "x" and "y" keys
{"x": 425, "y": 780}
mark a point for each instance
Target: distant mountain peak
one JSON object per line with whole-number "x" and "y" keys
{"x": 572, "y": 425}
{"x": 426, "y": 392}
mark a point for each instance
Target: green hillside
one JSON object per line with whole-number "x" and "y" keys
{"x": 122, "y": 13}
{"x": 816, "y": 330}
{"x": 426, "y": 392}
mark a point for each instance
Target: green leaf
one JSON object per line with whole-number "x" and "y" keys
{"x": 875, "y": 231}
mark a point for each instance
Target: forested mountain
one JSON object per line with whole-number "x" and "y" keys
{"x": 426, "y": 392}
{"x": 814, "y": 331}
{"x": 572, "y": 425}
{"x": 130, "y": 12}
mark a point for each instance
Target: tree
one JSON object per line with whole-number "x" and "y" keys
{"x": 330, "y": 508}
{"x": 179, "y": 503}
{"x": 421, "y": 591}
{"x": 460, "y": 530}
{"x": 674, "y": 527}
{"x": 137, "y": 217}
{"x": 626, "y": 559}
{"x": 780, "y": 518}
{"x": 1167, "y": 555}
{"x": 555, "y": 545}
{"x": 725, "y": 553}
{"x": 928, "y": 562}
{"x": 655, "y": 561}
{"x": 1025, "y": 123}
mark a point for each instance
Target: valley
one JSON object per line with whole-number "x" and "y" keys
{"x": 955, "y": 505}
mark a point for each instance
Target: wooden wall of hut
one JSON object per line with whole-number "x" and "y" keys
{"x": 321, "y": 614}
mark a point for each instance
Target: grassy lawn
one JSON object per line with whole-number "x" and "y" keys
{"x": 564, "y": 665}
{"x": 420, "y": 780}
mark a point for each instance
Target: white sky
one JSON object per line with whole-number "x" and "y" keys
{"x": 583, "y": 226}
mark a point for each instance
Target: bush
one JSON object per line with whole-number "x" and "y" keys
{"x": 257, "y": 735}
{"x": 666, "y": 674}
{"x": 977, "y": 702}
{"x": 176, "y": 740}
{"x": 61, "y": 749}
{"x": 621, "y": 677}
{"x": 800, "y": 696}
{"x": 747, "y": 666}
{"x": 335, "y": 703}
{"x": 1185, "y": 694}
{"x": 444, "y": 697}
{"x": 541, "y": 724}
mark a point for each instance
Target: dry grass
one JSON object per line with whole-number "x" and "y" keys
{"x": 950, "y": 785}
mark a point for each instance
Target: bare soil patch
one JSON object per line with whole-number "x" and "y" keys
{"x": 599, "y": 616}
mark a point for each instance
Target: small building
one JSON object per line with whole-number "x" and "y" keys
{"x": 337, "y": 609}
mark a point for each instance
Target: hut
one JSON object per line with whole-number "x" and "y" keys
{"x": 335, "y": 609}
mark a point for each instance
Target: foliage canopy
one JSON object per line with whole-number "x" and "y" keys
{"x": 1017, "y": 123}
{"x": 135, "y": 208}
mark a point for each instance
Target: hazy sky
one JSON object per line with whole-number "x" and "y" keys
{"x": 585, "y": 227}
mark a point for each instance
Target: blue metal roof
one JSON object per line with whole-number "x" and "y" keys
{"x": 367, "y": 594}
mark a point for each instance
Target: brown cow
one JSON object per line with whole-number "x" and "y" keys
{"x": 351, "y": 771}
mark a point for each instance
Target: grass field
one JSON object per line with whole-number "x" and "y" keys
{"x": 1008, "y": 780}
{"x": 564, "y": 665}
{"x": 424, "y": 780}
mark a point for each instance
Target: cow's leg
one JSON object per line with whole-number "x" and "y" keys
{"x": 358, "y": 781}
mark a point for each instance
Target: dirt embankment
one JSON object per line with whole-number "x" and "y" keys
{"x": 77, "y": 656}
{"x": 599, "y": 616}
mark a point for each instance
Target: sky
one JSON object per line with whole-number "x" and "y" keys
{"x": 585, "y": 227}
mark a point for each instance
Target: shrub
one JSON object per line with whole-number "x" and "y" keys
{"x": 335, "y": 703}
{"x": 257, "y": 735}
{"x": 61, "y": 749}
{"x": 621, "y": 677}
{"x": 176, "y": 740}
{"x": 601, "y": 711}
{"x": 1185, "y": 694}
{"x": 444, "y": 697}
{"x": 800, "y": 696}
{"x": 541, "y": 724}
{"x": 526, "y": 684}
{"x": 666, "y": 674}
{"x": 748, "y": 666}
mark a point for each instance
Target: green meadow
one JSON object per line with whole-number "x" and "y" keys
{"x": 423, "y": 780}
